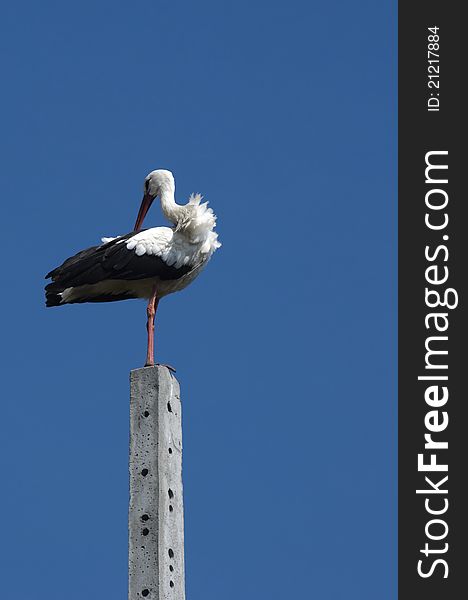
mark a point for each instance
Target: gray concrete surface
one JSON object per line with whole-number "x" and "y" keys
{"x": 156, "y": 512}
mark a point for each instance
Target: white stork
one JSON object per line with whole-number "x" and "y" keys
{"x": 142, "y": 264}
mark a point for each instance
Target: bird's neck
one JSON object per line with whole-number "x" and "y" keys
{"x": 169, "y": 206}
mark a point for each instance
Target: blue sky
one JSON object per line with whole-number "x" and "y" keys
{"x": 284, "y": 116}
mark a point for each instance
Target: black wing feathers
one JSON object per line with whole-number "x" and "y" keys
{"x": 111, "y": 261}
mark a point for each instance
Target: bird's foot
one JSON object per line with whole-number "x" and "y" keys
{"x": 152, "y": 364}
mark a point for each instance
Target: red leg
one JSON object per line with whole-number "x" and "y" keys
{"x": 151, "y": 314}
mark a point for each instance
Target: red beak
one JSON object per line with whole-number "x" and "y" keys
{"x": 144, "y": 208}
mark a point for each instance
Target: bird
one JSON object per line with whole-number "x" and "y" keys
{"x": 145, "y": 263}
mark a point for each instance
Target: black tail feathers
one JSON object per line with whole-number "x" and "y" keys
{"x": 53, "y": 295}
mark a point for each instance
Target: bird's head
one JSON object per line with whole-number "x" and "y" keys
{"x": 156, "y": 183}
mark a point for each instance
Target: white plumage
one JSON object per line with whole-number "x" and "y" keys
{"x": 143, "y": 264}
{"x": 192, "y": 240}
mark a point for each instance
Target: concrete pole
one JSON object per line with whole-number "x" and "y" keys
{"x": 156, "y": 510}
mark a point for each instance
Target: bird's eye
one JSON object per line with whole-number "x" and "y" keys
{"x": 147, "y": 185}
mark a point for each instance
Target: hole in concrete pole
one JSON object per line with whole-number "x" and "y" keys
{"x": 171, "y": 493}
{"x": 144, "y": 517}
{"x": 170, "y": 450}
{"x": 145, "y": 531}
{"x": 145, "y": 593}
{"x": 171, "y": 568}
{"x": 146, "y": 413}
{"x": 171, "y": 508}
{"x": 171, "y": 583}
{"x": 169, "y": 407}
{"x": 171, "y": 553}
{"x": 145, "y": 472}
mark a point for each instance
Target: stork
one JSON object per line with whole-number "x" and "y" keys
{"x": 149, "y": 264}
